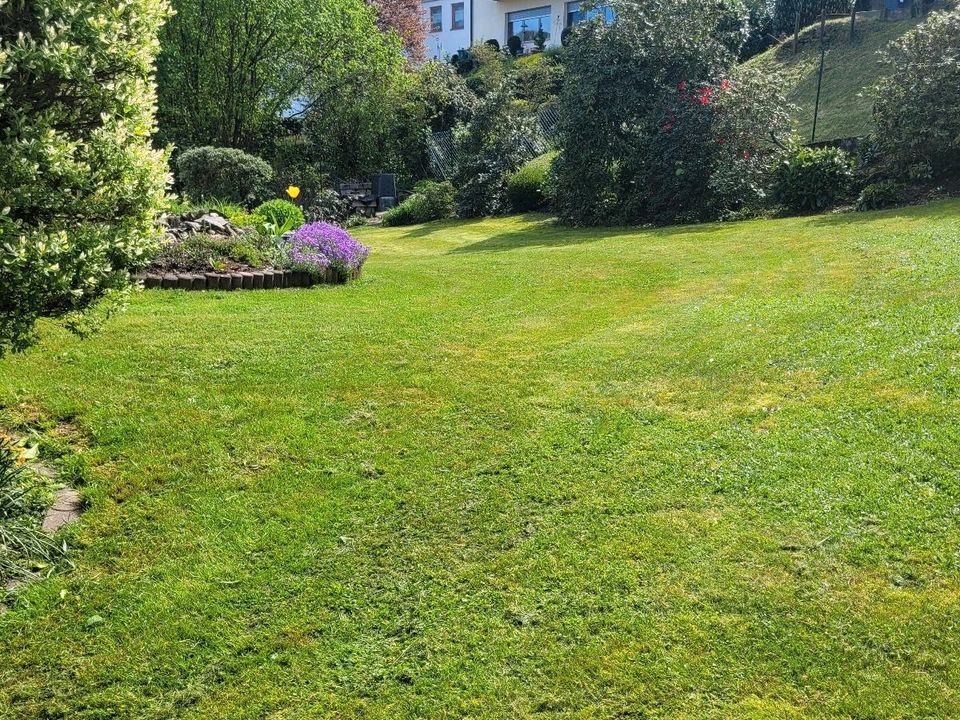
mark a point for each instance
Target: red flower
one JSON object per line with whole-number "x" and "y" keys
{"x": 746, "y": 154}
{"x": 682, "y": 87}
{"x": 704, "y": 94}
{"x": 725, "y": 84}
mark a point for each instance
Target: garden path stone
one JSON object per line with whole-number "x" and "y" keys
{"x": 65, "y": 509}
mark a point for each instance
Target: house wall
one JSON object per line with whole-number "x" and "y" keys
{"x": 491, "y": 18}
{"x": 441, "y": 45}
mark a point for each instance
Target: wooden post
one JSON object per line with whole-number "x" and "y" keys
{"x": 796, "y": 35}
{"x": 853, "y": 20}
{"x": 823, "y": 56}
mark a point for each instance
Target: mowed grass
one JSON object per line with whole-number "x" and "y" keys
{"x": 851, "y": 70}
{"x": 519, "y": 471}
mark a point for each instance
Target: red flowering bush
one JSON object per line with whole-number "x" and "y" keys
{"x": 713, "y": 149}
{"x": 658, "y": 123}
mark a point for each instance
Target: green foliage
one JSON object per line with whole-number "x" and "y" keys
{"x": 240, "y": 217}
{"x": 430, "y": 201}
{"x": 328, "y": 206}
{"x": 515, "y": 45}
{"x": 811, "y": 180}
{"x": 281, "y": 213}
{"x": 230, "y": 69}
{"x": 918, "y": 107}
{"x": 657, "y": 123}
{"x": 79, "y": 181}
{"x": 880, "y": 195}
{"x": 526, "y": 188}
{"x": 211, "y": 173}
{"x": 22, "y": 542}
{"x": 492, "y": 147}
{"x": 202, "y": 253}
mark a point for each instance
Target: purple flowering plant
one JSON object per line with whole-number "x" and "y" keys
{"x": 316, "y": 246}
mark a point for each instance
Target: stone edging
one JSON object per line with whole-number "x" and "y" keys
{"x": 252, "y": 280}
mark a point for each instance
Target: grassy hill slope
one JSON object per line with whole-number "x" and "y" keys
{"x": 851, "y": 68}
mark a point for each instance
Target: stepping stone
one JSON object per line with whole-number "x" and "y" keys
{"x": 65, "y": 509}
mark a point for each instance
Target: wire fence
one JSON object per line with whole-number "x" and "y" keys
{"x": 444, "y": 155}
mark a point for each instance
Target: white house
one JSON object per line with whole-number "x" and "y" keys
{"x": 457, "y": 24}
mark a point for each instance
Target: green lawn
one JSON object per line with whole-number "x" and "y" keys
{"x": 851, "y": 69}
{"x": 518, "y": 471}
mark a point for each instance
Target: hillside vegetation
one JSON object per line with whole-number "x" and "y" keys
{"x": 850, "y": 70}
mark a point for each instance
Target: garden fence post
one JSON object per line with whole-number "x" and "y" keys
{"x": 823, "y": 56}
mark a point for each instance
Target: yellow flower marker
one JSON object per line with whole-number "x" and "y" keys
{"x": 293, "y": 191}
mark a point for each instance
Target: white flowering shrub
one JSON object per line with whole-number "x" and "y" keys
{"x": 79, "y": 182}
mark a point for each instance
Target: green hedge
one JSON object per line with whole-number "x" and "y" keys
{"x": 526, "y": 188}
{"x": 430, "y": 201}
{"x": 212, "y": 173}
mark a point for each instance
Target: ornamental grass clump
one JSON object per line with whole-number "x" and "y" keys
{"x": 318, "y": 246}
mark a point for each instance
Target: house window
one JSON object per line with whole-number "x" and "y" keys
{"x": 457, "y": 16}
{"x": 526, "y": 24}
{"x": 576, "y": 15}
{"x": 436, "y": 19}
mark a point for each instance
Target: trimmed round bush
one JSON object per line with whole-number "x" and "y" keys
{"x": 813, "y": 179}
{"x": 429, "y": 201}
{"x": 526, "y": 188}
{"x": 212, "y": 173}
{"x": 281, "y": 213}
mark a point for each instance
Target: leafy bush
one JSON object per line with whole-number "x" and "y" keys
{"x": 496, "y": 143}
{"x": 281, "y": 214}
{"x": 21, "y": 503}
{"x": 515, "y": 45}
{"x": 79, "y": 181}
{"x": 329, "y": 206}
{"x": 211, "y": 173}
{"x": 918, "y": 107}
{"x": 880, "y": 195}
{"x": 811, "y": 180}
{"x": 318, "y": 246}
{"x": 526, "y": 187}
{"x": 430, "y": 201}
{"x": 658, "y": 123}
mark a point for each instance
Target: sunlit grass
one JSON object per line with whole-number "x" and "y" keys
{"x": 519, "y": 471}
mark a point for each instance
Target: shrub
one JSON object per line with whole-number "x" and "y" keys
{"x": 526, "y": 187}
{"x": 429, "y": 201}
{"x": 811, "y": 180}
{"x": 649, "y": 130}
{"x": 318, "y": 246}
{"x": 880, "y": 195}
{"x": 917, "y": 109}
{"x": 79, "y": 182}
{"x": 211, "y": 173}
{"x": 514, "y": 45}
{"x": 496, "y": 143}
{"x": 328, "y": 206}
{"x": 281, "y": 214}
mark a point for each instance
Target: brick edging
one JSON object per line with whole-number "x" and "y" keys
{"x": 252, "y": 280}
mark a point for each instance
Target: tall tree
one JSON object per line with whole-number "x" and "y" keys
{"x": 407, "y": 19}
{"x": 232, "y": 70}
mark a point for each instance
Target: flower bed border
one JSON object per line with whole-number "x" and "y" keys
{"x": 247, "y": 280}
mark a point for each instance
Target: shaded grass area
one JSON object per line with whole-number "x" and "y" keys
{"x": 519, "y": 471}
{"x": 851, "y": 69}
